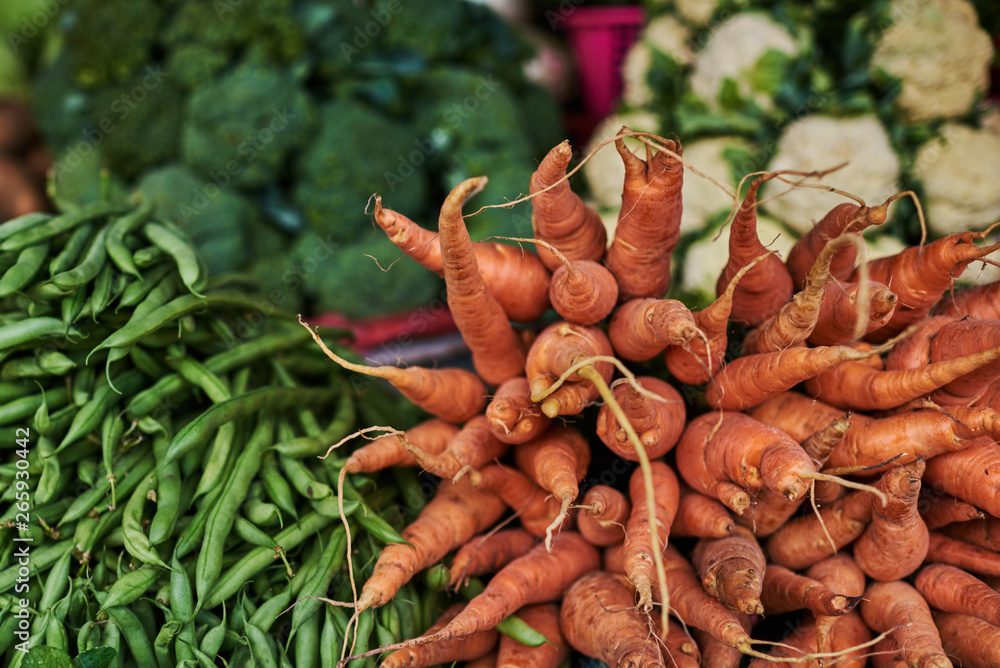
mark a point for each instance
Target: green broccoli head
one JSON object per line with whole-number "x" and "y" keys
{"x": 357, "y": 152}
{"x": 97, "y": 58}
{"x": 245, "y": 124}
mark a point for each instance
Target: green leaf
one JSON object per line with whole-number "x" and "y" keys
{"x": 42, "y": 656}
{"x": 96, "y": 657}
{"x": 769, "y": 73}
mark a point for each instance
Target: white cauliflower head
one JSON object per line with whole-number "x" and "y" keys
{"x": 664, "y": 34}
{"x": 703, "y": 199}
{"x": 696, "y": 12}
{"x": 604, "y": 172}
{"x": 959, "y": 172}
{"x": 941, "y": 54}
{"x": 821, "y": 142}
{"x": 734, "y": 50}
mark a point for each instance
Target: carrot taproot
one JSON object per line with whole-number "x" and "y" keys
{"x": 966, "y": 556}
{"x": 805, "y": 540}
{"x": 768, "y": 286}
{"x": 535, "y": 509}
{"x": 486, "y": 661}
{"x": 431, "y": 436}
{"x": 957, "y": 340}
{"x": 497, "y": 352}
{"x": 513, "y": 417}
{"x": 544, "y": 618}
{"x": 445, "y": 651}
{"x": 603, "y": 513}
{"x": 714, "y": 652}
{"x": 456, "y": 513}
{"x": 452, "y": 394}
{"x": 473, "y": 447}
{"x": 642, "y": 328}
{"x": 951, "y": 589}
{"x": 679, "y": 649}
{"x": 700, "y": 516}
{"x": 975, "y": 643}
{"x": 707, "y": 473}
{"x": 649, "y": 222}
{"x": 559, "y": 216}
{"x": 519, "y": 281}
{"x": 658, "y": 419}
{"x": 895, "y": 542}
{"x": 984, "y": 533}
{"x": 732, "y": 569}
{"x": 819, "y": 446}
{"x": 557, "y": 461}
{"x": 920, "y": 275}
{"x": 848, "y": 635}
{"x": 914, "y": 351}
{"x": 639, "y": 541}
{"x": 969, "y": 474}
{"x": 784, "y": 590}
{"x": 599, "y": 619}
{"x": 896, "y": 607}
{"x": 976, "y": 301}
{"x": 845, "y": 305}
{"x": 939, "y": 509}
{"x": 613, "y": 558}
{"x": 838, "y": 573}
{"x": 488, "y": 553}
{"x": 886, "y": 654}
{"x": 559, "y": 347}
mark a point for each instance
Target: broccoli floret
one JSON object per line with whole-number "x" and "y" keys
{"x": 111, "y": 39}
{"x": 357, "y": 152}
{"x": 244, "y": 125}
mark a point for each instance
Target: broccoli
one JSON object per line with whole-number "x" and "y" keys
{"x": 243, "y": 125}
{"x": 99, "y": 60}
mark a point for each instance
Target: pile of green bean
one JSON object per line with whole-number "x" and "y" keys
{"x": 175, "y": 497}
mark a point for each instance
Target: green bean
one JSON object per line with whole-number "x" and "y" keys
{"x": 137, "y": 543}
{"x": 199, "y": 657}
{"x": 261, "y": 649}
{"x": 42, "y": 557}
{"x": 87, "y": 269}
{"x": 168, "y": 501}
{"x": 311, "y": 446}
{"x": 366, "y": 624}
{"x": 111, "y": 433}
{"x": 48, "y": 481}
{"x": 276, "y": 485}
{"x": 303, "y": 480}
{"x": 22, "y": 223}
{"x": 135, "y": 636}
{"x": 263, "y": 618}
{"x": 11, "y": 391}
{"x": 115, "y": 241}
{"x": 88, "y": 638}
{"x": 130, "y": 586}
{"x": 307, "y": 641}
{"x": 251, "y": 534}
{"x": 137, "y": 290}
{"x": 30, "y": 330}
{"x": 331, "y": 639}
{"x": 161, "y": 645}
{"x": 83, "y": 383}
{"x": 71, "y": 308}
{"x": 132, "y": 466}
{"x": 101, "y": 295}
{"x": 195, "y": 530}
{"x": 104, "y": 398}
{"x": 181, "y": 250}
{"x": 46, "y": 363}
{"x": 407, "y": 601}
{"x": 262, "y": 513}
{"x": 147, "y": 257}
{"x": 330, "y": 562}
{"x": 78, "y": 240}
{"x": 25, "y": 407}
{"x": 61, "y": 223}
{"x": 57, "y": 580}
{"x": 29, "y": 261}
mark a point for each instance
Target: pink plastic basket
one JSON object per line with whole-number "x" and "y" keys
{"x": 600, "y": 37}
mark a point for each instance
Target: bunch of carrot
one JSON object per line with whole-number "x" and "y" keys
{"x": 636, "y": 493}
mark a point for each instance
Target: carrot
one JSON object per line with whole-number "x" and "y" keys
{"x": 446, "y": 651}
{"x": 886, "y": 654}
{"x": 559, "y": 216}
{"x": 431, "y": 436}
{"x": 544, "y": 618}
{"x": 969, "y": 474}
{"x": 489, "y": 553}
{"x": 768, "y": 286}
{"x": 649, "y": 223}
{"x": 898, "y": 608}
{"x": 613, "y": 558}
{"x": 701, "y": 516}
{"x": 539, "y": 576}
{"x": 697, "y": 361}
{"x": 497, "y": 352}
{"x": 536, "y": 509}
{"x": 455, "y": 514}
{"x": 558, "y": 347}
{"x": 819, "y": 446}
{"x": 599, "y": 619}
{"x": 977, "y": 301}
{"x": 706, "y": 473}
{"x": 716, "y": 653}
{"x": 679, "y": 648}
{"x": 485, "y": 661}
{"x": 732, "y": 570}
{"x": 960, "y": 338}
{"x": 863, "y": 385}
{"x": 473, "y": 447}
{"x": 920, "y": 275}
{"x": 604, "y": 511}
{"x": 964, "y": 555}
{"x": 454, "y": 395}
{"x": 972, "y": 641}
{"x": 951, "y": 589}
{"x": 895, "y": 543}
{"x": 848, "y": 635}
{"x": 639, "y": 541}
{"x": 984, "y": 532}
{"x": 658, "y": 419}
{"x": 837, "y": 573}
{"x": 914, "y": 351}
{"x": 642, "y": 328}
{"x": 844, "y": 304}
{"x": 517, "y": 280}
{"x": 512, "y": 415}
{"x": 785, "y": 590}
{"x": 804, "y": 540}
{"x": 939, "y": 510}
{"x": 557, "y": 461}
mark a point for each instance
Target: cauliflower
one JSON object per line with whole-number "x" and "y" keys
{"x": 736, "y": 50}
{"x": 703, "y": 199}
{"x": 940, "y": 53}
{"x": 820, "y": 142}
{"x": 604, "y": 172}
{"x": 696, "y": 12}
{"x": 664, "y": 34}
{"x": 958, "y": 172}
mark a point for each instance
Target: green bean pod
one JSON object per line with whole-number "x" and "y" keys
{"x": 115, "y": 240}
{"x": 91, "y": 413}
{"x": 100, "y": 297}
{"x": 29, "y": 261}
{"x": 130, "y": 468}
{"x": 31, "y": 330}
{"x": 55, "y": 226}
{"x": 87, "y": 269}
{"x": 183, "y": 252}
{"x": 329, "y": 564}
{"x": 22, "y": 223}
{"x": 130, "y": 586}
{"x": 137, "y": 543}
{"x": 136, "y": 291}
{"x": 135, "y": 636}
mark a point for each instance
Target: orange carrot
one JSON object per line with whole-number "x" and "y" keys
{"x": 837, "y": 573}
{"x": 513, "y": 416}
{"x": 489, "y": 553}
{"x": 940, "y": 510}
{"x": 732, "y": 570}
{"x": 895, "y": 543}
{"x": 497, "y": 352}
{"x": 958, "y": 339}
{"x": 701, "y": 516}
{"x": 639, "y": 561}
{"x": 977, "y": 301}
{"x": 544, "y": 618}
{"x": 599, "y": 619}
{"x": 972, "y": 641}
{"x": 473, "y": 447}
{"x": 847, "y": 633}
{"x": 964, "y": 555}
{"x": 455, "y": 514}
{"x": 984, "y": 532}
{"x": 649, "y": 223}
{"x": 768, "y": 286}
{"x": 485, "y": 661}
{"x": 613, "y": 558}
{"x": 604, "y": 511}
{"x": 951, "y": 589}
{"x": 559, "y": 216}
{"x": 842, "y": 308}
{"x": 819, "y": 446}
{"x": 536, "y": 509}
{"x": 583, "y": 292}
{"x": 558, "y": 347}
{"x": 969, "y": 474}
{"x": 915, "y": 350}
{"x": 658, "y": 421}
{"x": 900, "y": 609}
{"x": 454, "y": 395}
{"x": 785, "y": 590}
{"x": 716, "y": 653}
{"x": 803, "y": 541}
{"x": 431, "y": 436}
{"x": 518, "y": 280}
{"x": 641, "y": 329}
{"x": 446, "y": 651}
{"x": 679, "y": 648}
